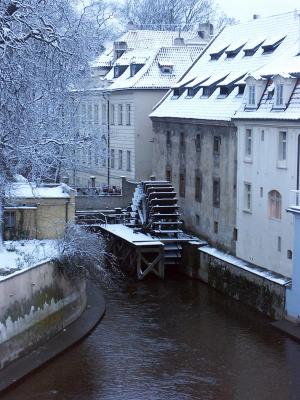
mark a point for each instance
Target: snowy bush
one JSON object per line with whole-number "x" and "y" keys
{"x": 81, "y": 253}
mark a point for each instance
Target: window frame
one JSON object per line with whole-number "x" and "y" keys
{"x": 274, "y": 205}
{"x": 247, "y": 207}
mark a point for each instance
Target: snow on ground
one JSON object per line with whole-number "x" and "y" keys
{"x": 20, "y": 254}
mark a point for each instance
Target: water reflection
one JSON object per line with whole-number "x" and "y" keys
{"x": 171, "y": 340}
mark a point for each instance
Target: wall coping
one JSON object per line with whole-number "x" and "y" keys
{"x": 246, "y": 266}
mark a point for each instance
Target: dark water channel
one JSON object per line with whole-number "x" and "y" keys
{"x": 171, "y": 340}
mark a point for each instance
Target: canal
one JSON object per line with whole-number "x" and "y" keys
{"x": 171, "y": 340}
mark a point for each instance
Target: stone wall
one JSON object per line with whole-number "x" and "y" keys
{"x": 200, "y": 154}
{"x": 36, "y": 304}
{"x": 107, "y": 201}
{"x": 249, "y": 287}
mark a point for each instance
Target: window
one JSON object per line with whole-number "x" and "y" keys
{"x": 261, "y": 192}
{"x": 216, "y": 192}
{"x": 112, "y": 114}
{"x": 247, "y": 197}
{"x": 134, "y": 68}
{"x": 120, "y": 159}
{"x": 197, "y": 219}
{"x": 96, "y": 114}
{"x": 235, "y": 234}
{"x": 83, "y": 114}
{"x": 9, "y": 219}
{"x": 168, "y": 174}
{"x": 104, "y": 114}
{"x": 103, "y": 161}
{"x": 208, "y": 91}
{"x": 96, "y": 157}
{"x": 198, "y": 186}
{"x": 198, "y": 142}
{"x": 289, "y": 254}
{"x": 279, "y": 243}
{"x": 128, "y": 160}
{"x": 274, "y": 206}
{"x": 262, "y": 135}
{"x": 251, "y": 94}
{"x": 118, "y": 70}
{"x": 216, "y": 145}
{"x": 279, "y": 95}
{"x": 282, "y": 146}
{"x": 216, "y": 226}
{"x": 128, "y": 114}
{"x": 248, "y": 143}
{"x": 90, "y": 114}
{"x": 112, "y": 158}
{"x": 166, "y": 69}
{"x": 182, "y": 142}
{"x": 168, "y": 138}
{"x": 241, "y": 90}
{"x": 120, "y": 114}
{"x": 182, "y": 184}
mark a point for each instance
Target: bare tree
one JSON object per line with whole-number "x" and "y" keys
{"x": 167, "y": 14}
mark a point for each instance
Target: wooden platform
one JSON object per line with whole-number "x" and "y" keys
{"x": 135, "y": 251}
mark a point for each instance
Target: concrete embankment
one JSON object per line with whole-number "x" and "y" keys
{"x": 38, "y": 307}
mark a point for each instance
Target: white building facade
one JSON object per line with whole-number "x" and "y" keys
{"x": 114, "y": 107}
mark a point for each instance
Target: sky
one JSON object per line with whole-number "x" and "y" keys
{"x": 243, "y": 10}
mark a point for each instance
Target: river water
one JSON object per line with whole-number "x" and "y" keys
{"x": 170, "y": 340}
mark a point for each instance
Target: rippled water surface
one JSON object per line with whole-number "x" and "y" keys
{"x": 168, "y": 340}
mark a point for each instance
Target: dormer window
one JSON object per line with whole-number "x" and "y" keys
{"x": 270, "y": 45}
{"x": 134, "y": 68}
{"x": 251, "y": 48}
{"x": 178, "y": 92}
{"x": 224, "y": 91}
{"x": 192, "y": 91}
{"x": 167, "y": 70}
{"x": 166, "y": 67}
{"x": 279, "y": 95}
{"x": 217, "y": 54}
{"x": 208, "y": 91}
{"x": 233, "y": 51}
{"x": 241, "y": 90}
{"x": 118, "y": 70}
{"x": 270, "y": 90}
{"x": 251, "y": 95}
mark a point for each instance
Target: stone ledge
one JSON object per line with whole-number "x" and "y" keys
{"x": 75, "y": 332}
{"x": 289, "y": 328}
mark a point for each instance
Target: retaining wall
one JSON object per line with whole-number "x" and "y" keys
{"x": 256, "y": 287}
{"x": 103, "y": 202}
{"x": 36, "y": 304}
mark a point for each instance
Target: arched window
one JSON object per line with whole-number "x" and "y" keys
{"x": 274, "y": 205}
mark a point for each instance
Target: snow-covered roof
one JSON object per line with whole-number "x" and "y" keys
{"x": 146, "y": 39}
{"x": 29, "y": 190}
{"x": 215, "y": 107}
{"x": 151, "y": 75}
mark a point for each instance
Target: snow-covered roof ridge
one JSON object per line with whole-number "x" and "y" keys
{"x": 253, "y": 36}
{"x": 29, "y": 190}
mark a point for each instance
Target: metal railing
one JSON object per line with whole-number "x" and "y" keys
{"x": 103, "y": 190}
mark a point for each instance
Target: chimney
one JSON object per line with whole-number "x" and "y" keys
{"x": 179, "y": 41}
{"x": 205, "y": 31}
{"x": 130, "y": 26}
{"x": 256, "y": 16}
